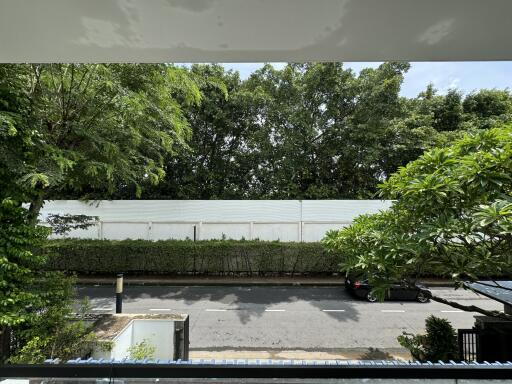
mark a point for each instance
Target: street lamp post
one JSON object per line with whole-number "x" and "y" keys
{"x": 119, "y": 293}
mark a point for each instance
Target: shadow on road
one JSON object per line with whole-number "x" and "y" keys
{"x": 246, "y": 302}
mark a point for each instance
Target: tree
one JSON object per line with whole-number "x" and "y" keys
{"x": 448, "y": 114}
{"x": 36, "y": 305}
{"x": 75, "y": 127}
{"x": 320, "y": 128}
{"x": 213, "y": 166}
{"x": 93, "y": 126}
{"x": 452, "y": 214}
{"x": 488, "y": 107}
{"x": 312, "y": 130}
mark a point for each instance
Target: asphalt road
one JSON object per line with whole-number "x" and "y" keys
{"x": 286, "y": 318}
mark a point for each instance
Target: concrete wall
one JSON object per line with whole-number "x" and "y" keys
{"x": 157, "y": 333}
{"x": 284, "y": 220}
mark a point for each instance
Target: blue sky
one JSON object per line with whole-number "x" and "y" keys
{"x": 466, "y": 76}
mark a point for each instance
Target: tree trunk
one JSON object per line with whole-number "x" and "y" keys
{"x": 5, "y": 344}
{"x": 35, "y": 207}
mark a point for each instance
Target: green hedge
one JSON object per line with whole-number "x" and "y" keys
{"x": 189, "y": 257}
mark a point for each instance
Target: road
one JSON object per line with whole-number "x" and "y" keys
{"x": 287, "y": 318}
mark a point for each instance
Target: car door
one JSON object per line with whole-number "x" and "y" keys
{"x": 402, "y": 291}
{"x": 396, "y": 292}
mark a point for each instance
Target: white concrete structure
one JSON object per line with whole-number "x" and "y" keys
{"x": 158, "y": 334}
{"x": 284, "y": 220}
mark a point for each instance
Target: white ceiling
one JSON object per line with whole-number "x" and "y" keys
{"x": 254, "y": 30}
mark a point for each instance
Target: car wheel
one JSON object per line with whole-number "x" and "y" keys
{"x": 371, "y": 297}
{"x": 422, "y": 297}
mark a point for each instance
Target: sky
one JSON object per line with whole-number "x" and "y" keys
{"x": 465, "y": 76}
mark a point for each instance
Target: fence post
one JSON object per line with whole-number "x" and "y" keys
{"x": 100, "y": 230}
{"x": 150, "y": 226}
{"x": 199, "y": 230}
{"x": 251, "y": 230}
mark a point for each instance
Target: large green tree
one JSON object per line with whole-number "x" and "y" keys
{"x": 214, "y": 165}
{"x": 92, "y": 126}
{"x": 321, "y": 127}
{"x": 452, "y": 215}
{"x": 72, "y": 127}
{"x": 314, "y": 130}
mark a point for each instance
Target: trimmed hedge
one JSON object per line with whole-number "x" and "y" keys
{"x": 174, "y": 257}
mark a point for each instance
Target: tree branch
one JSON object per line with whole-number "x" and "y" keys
{"x": 469, "y": 308}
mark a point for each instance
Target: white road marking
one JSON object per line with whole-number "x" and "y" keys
{"x": 393, "y": 310}
{"x": 453, "y": 311}
{"x": 159, "y": 309}
{"x": 215, "y": 310}
{"x": 333, "y": 310}
{"x": 102, "y": 309}
{"x": 275, "y": 310}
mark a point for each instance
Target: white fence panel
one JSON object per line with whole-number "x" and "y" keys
{"x": 316, "y": 231}
{"x": 340, "y": 210}
{"x": 235, "y": 231}
{"x": 120, "y": 231}
{"x": 276, "y": 231}
{"x": 283, "y": 220}
{"x": 175, "y": 231}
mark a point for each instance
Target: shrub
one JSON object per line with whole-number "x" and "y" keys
{"x": 212, "y": 257}
{"x": 142, "y": 350}
{"x": 439, "y": 343}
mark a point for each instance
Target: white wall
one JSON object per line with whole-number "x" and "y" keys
{"x": 157, "y": 333}
{"x": 283, "y": 220}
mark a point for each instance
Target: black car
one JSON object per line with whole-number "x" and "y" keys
{"x": 398, "y": 291}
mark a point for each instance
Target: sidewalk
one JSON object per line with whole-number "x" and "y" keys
{"x": 328, "y": 281}
{"x": 342, "y": 354}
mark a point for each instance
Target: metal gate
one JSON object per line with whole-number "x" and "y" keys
{"x": 469, "y": 349}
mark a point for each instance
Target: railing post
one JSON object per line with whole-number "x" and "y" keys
{"x": 460, "y": 341}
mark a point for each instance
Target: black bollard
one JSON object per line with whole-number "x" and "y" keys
{"x": 119, "y": 293}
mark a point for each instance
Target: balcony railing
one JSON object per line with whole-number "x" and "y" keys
{"x": 252, "y": 371}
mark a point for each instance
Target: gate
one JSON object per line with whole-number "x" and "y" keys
{"x": 469, "y": 348}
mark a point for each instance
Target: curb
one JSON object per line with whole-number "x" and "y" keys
{"x": 239, "y": 282}
{"x": 228, "y": 283}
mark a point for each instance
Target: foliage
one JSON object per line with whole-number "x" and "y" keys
{"x": 63, "y": 224}
{"x": 438, "y": 344}
{"x": 36, "y": 304}
{"x": 452, "y": 213}
{"x": 142, "y": 350}
{"x": 307, "y": 131}
{"x": 187, "y": 257}
{"x": 20, "y": 276}
{"x": 58, "y": 334}
{"x": 92, "y": 126}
